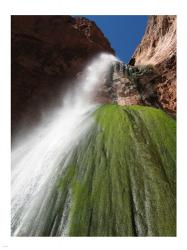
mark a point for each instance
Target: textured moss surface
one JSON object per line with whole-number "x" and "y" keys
{"x": 120, "y": 180}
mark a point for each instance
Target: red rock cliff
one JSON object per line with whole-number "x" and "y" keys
{"x": 158, "y": 48}
{"x": 46, "y": 51}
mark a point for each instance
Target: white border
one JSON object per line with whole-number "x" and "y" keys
{"x": 90, "y": 7}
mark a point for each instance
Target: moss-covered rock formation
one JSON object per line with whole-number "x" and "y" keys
{"x": 120, "y": 180}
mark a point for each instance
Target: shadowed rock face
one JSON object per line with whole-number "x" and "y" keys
{"x": 158, "y": 48}
{"x": 46, "y": 52}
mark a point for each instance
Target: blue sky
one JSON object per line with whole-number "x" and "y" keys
{"x": 123, "y": 32}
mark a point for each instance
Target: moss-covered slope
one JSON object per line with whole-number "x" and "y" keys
{"x": 120, "y": 180}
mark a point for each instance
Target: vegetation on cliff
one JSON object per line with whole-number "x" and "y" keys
{"x": 120, "y": 180}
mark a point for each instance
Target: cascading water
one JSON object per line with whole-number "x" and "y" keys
{"x": 39, "y": 160}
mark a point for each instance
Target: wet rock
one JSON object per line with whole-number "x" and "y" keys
{"x": 130, "y": 85}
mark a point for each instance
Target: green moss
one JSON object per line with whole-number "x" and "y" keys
{"x": 122, "y": 175}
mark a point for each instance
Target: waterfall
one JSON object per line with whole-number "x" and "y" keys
{"x": 40, "y": 158}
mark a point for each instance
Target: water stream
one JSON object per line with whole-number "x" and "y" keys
{"x": 40, "y": 158}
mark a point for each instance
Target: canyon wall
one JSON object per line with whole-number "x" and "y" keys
{"x": 158, "y": 48}
{"x": 47, "y": 51}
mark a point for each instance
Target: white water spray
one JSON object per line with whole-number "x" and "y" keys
{"x": 38, "y": 160}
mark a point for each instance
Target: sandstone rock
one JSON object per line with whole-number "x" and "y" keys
{"x": 158, "y": 48}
